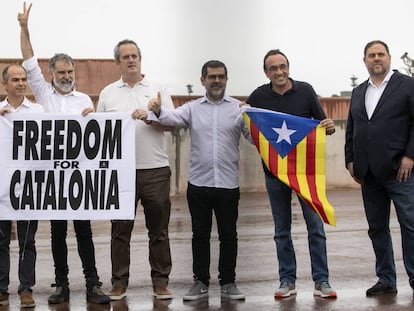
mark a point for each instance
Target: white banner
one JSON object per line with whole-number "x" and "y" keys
{"x": 65, "y": 166}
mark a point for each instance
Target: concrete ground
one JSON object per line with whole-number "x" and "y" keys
{"x": 351, "y": 263}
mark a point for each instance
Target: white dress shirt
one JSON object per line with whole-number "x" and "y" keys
{"x": 373, "y": 94}
{"x": 25, "y": 107}
{"x": 48, "y": 97}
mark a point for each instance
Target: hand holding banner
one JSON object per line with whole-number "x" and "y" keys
{"x": 57, "y": 166}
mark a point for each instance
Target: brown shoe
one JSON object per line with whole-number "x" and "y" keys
{"x": 4, "y": 299}
{"x": 162, "y": 292}
{"x": 26, "y": 299}
{"x": 117, "y": 293}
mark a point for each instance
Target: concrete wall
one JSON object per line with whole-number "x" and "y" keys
{"x": 251, "y": 173}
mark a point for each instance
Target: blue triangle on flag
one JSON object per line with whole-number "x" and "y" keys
{"x": 283, "y": 131}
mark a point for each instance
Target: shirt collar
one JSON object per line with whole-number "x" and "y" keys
{"x": 292, "y": 89}
{"x": 5, "y": 103}
{"x": 205, "y": 99}
{"x": 144, "y": 82}
{"x": 385, "y": 81}
{"x": 73, "y": 93}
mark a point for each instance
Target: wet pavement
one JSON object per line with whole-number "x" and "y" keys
{"x": 350, "y": 255}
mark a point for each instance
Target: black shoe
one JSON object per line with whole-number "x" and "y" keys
{"x": 94, "y": 294}
{"x": 380, "y": 289}
{"x": 61, "y": 295}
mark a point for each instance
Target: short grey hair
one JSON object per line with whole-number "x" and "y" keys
{"x": 5, "y": 73}
{"x": 125, "y": 41}
{"x": 60, "y": 57}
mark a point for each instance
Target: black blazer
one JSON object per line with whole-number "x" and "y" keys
{"x": 381, "y": 142}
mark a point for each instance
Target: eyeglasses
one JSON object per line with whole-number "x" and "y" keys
{"x": 214, "y": 77}
{"x": 282, "y": 67}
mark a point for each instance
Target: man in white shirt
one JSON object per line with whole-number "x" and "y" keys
{"x": 133, "y": 90}
{"x": 61, "y": 96}
{"x": 15, "y": 84}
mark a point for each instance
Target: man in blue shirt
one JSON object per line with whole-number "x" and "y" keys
{"x": 216, "y": 124}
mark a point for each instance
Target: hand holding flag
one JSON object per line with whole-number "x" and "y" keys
{"x": 293, "y": 149}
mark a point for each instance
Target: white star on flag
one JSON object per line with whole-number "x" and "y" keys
{"x": 284, "y": 133}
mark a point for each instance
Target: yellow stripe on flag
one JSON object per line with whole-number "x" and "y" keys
{"x": 320, "y": 174}
{"x": 264, "y": 148}
{"x": 283, "y": 169}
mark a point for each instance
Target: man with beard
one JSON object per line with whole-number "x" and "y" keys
{"x": 216, "y": 123}
{"x": 379, "y": 155}
{"x": 61, "y": 96}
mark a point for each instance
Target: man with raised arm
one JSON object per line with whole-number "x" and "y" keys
{"x": 60, "y": 96}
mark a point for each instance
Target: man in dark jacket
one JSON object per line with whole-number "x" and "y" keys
{"x": 379, "y": 153}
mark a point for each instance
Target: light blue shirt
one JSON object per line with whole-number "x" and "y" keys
{"x": 215, "y": 130}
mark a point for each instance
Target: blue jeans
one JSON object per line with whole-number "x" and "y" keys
{"x": 26, "y": 231}
{"x": 377, "y": 198}
{"x": 202, "y": 201}
{"x": 280, "y": 197}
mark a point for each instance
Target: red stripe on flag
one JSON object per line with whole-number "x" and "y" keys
{"x": 273, "y": 167}
{"x": 254, "y": 132}
{"x": 311, "y": 174}
{"x": 291, "y": 170}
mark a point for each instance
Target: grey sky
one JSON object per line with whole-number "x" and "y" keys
{"x": 323, "y": 39}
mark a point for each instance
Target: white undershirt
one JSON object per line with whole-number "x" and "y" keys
{"x": 373, "y": 94}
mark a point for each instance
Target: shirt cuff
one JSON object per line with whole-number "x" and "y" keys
{"x": 30, "y": 63}
{"x": 151, "y": 116}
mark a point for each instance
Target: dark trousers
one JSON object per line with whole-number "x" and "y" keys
{"x": 86, "y": 251}
{"x": 153, "y": 189}
{"x": 202, "y": 201}
{"x": 26, "y": 231}
{"x": 377, "y": 196}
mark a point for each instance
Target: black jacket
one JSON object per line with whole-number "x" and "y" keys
{"x": 381, "y": 142}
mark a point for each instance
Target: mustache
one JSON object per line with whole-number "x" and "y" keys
{"x": 65, "y": 80}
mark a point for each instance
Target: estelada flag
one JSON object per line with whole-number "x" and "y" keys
{"x": 293, "y": 149}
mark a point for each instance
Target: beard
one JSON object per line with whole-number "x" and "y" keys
{"x": 216, "y": 93}
{"x": 65, "y": 85}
